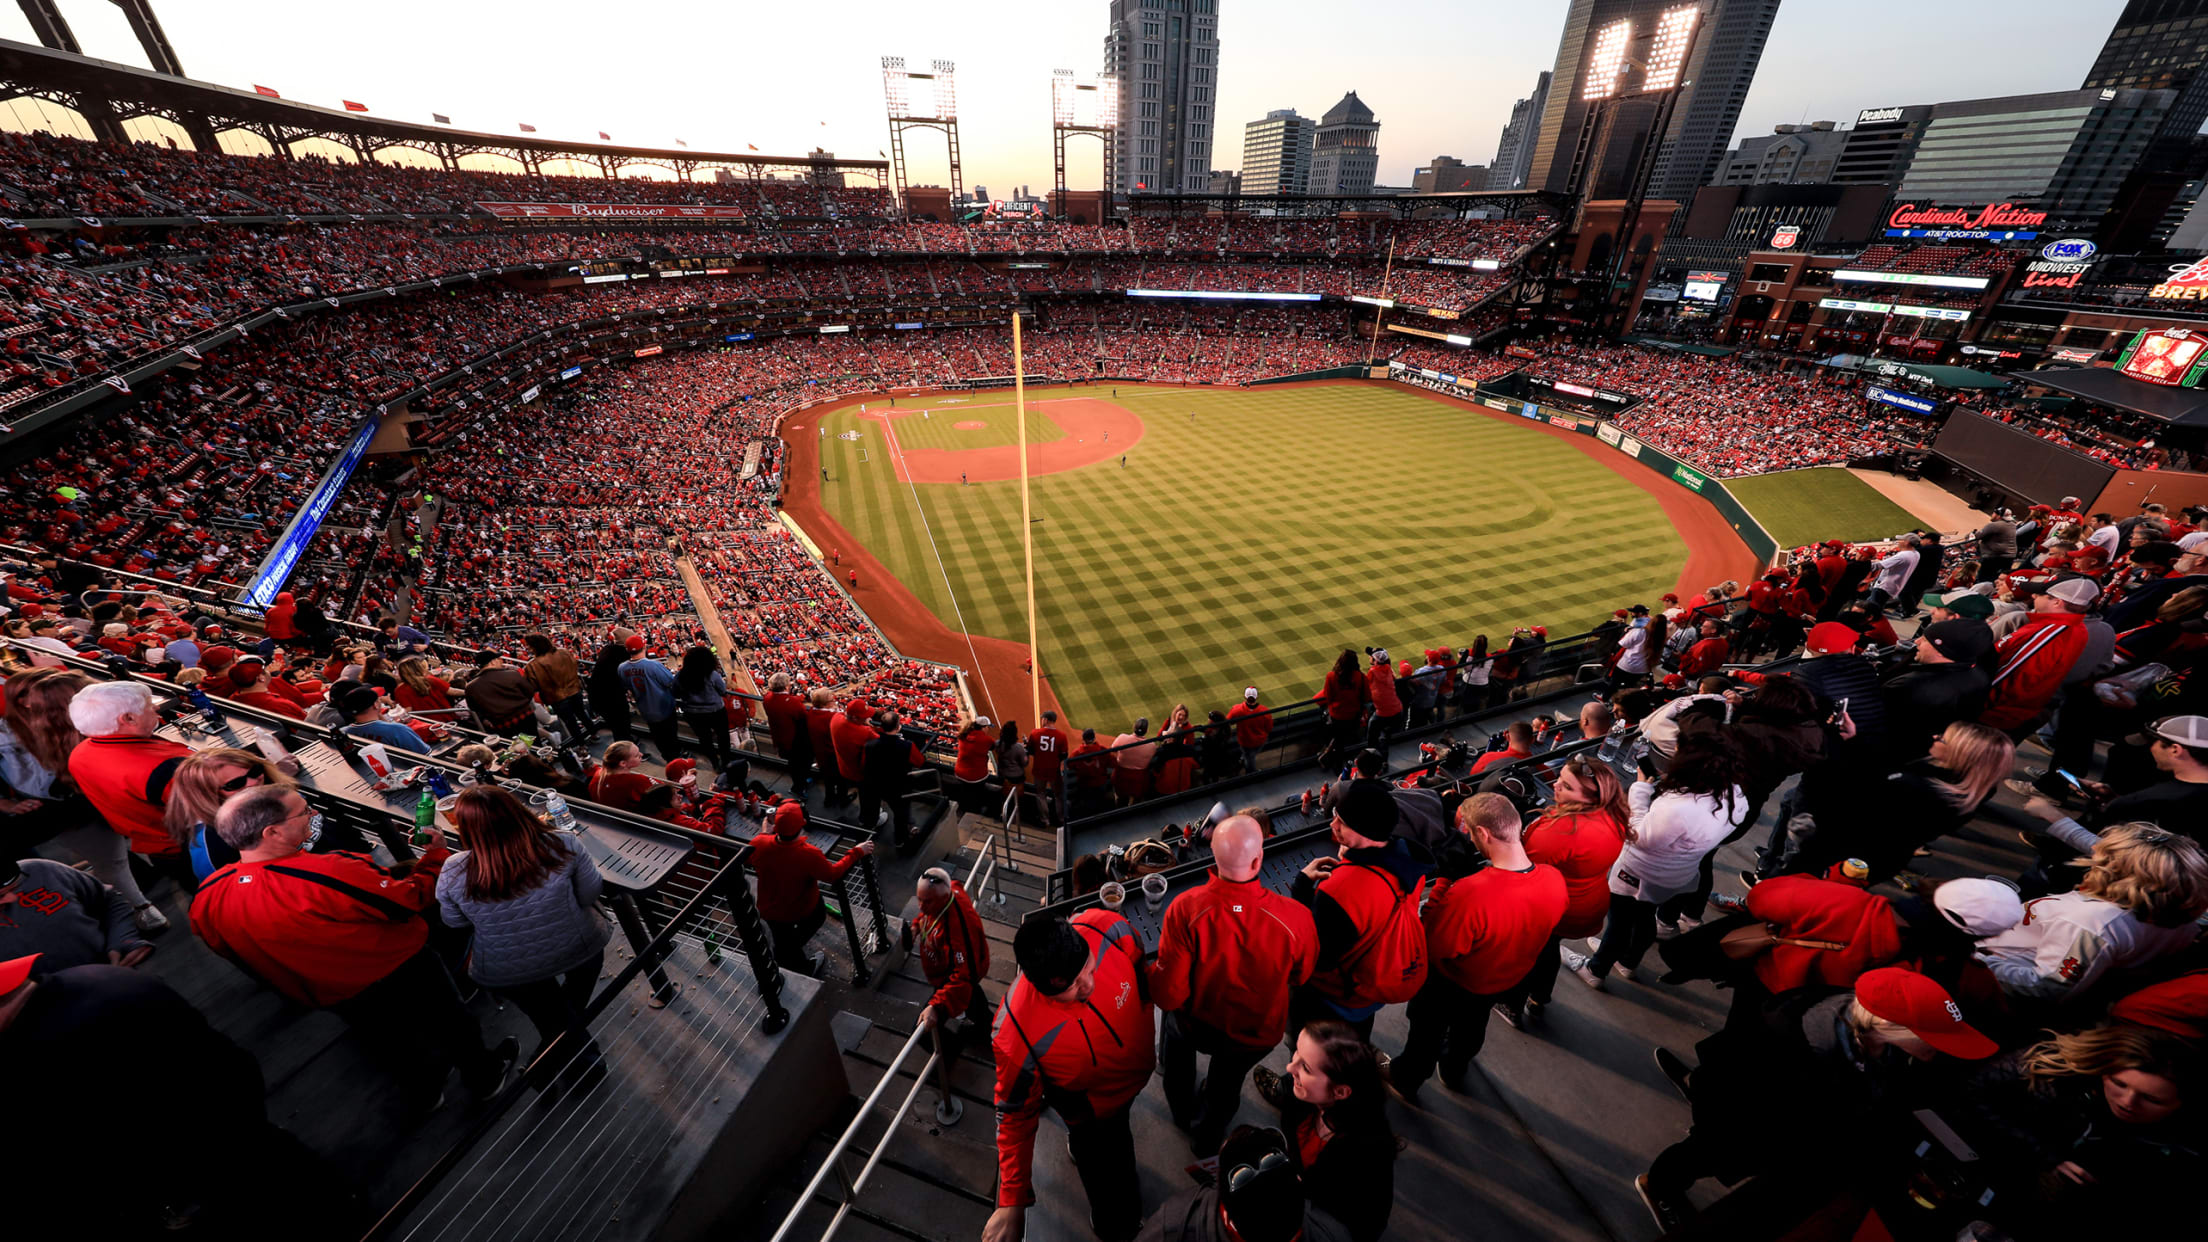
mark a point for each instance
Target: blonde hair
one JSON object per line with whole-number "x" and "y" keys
{"x": 194, "y": 795}
{"x": 1866, "y": 1024}
{"x": 2112, "y": 1050}
{"x": 2156, "y": 874}
{"x": 1981, "y": 755}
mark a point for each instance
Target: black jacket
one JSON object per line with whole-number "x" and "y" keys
{"x": 886, "y": 763}
{"x": 1193, "y": 1216}
{"x": 604, "y": 683}
{"x": 1353, "y": 1180}
{"x": 1923, "y": 699}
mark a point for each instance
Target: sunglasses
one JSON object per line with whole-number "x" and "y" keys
{"x": 1243, "y": 1174}
{"x": 236, "y": 783}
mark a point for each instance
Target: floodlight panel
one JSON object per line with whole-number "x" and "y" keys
{"x": 1667, "y": 54}
{"x": 1607, "y": 61}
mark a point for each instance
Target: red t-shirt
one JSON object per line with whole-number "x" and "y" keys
{"x": 1581, "y": 847}
{"x": 1484, "y": 931}
{"x": 1496, "y": 758}
{"x": 1046, "y": 753}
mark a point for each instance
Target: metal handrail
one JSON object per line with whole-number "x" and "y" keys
{"x": 948, "y": 1111}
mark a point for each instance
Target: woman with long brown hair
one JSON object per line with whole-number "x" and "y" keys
{"x": 48, "y": 811}
{"x": 1344, "y": 694}
{"x": 530, "y": 894}
{"x": 201, "y": 785}
{"x": 1580, "y": 834}
{"x": 421, "y": 691}
{"x": 1333, "y": 1108}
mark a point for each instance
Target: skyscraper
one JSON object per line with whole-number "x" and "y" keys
{"x": 2160, "y": 45}
{"x": 1514, "y": 154}
{"x": 1728, "y": 44}
{"x": 1276, "y": 153}
{"x": 1345, "y": 153}
{"x": 1165, "y": 56}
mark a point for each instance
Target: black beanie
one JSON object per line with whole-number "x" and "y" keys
{"x": 1369, "y": 809}
{"x": 1050, "y": 953}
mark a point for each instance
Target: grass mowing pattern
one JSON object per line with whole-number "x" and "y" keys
{"x": 1803, "y": 506}
{"x": 1255, "y": 533}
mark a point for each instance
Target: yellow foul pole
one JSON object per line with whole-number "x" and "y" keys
{"x": 1380, "y": 313}
{"x": 1027, "y": 529}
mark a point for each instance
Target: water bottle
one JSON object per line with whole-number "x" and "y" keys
{"x": 713, "y": 946}
{"x": 555, "y": 807}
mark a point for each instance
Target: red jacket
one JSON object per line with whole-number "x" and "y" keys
{"x": 278, "y": 622}
{"x": 1046, "y": 754}
{"x": 1228, "y": 954}
{"x": 1808, "y": 907}
{"x": 1252, "y": 725}
{"x": 320, "y": 928}
{"x": 972, "y": 763}
{"x": 851, "y": 733}
{"x": 1496, "y": 758}
{"x": 953, "y": 951}
{"x": 269, "y": 701}
{"x": 2034, "y": 660}
{"x": 1086, "y": 1059}
{"x": 127, "y": 781}
{"x": 1380, "y": 687}
{"x": 785, "y": 720}
{"x": 790, "y": 871}
{"x": 1484, "y": 931}
{"x": 1345, "y": 699}
{"x": 819, "y": 722}
{"x": 1581, "y": 847}
{"x": 2177, "y": 1005}
{"x": 1092, "y": 766}
{"x": 1704, "y": 657}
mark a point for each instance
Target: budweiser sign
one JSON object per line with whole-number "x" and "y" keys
{"x": 610, "y": 211}
{"x": 1990, "y": 216}
{"x": 2188, "y": 282}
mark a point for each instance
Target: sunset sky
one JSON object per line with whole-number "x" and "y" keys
{"x": 787, "y": 77}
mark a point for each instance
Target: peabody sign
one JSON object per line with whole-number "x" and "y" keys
{"x": 1990, "y": 222}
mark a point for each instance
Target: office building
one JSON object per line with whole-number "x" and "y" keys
{"x": 1881, "y": 145}
{"x": 1223, "y": 182}
{"x": 1164, "y": 55}
{"x": 1728, "y": 44}
{"x": 1345, "y": 152}
{"x": 2160, "y": 45}
{"x": 1276, "y": 153}
{"x": 1514, "y": 153}
{"x": 1448, "y": 174}
{"x": 2065, "y": 153}
{"x": 1788, "y": 155}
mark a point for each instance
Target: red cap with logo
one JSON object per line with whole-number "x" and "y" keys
{"x": 1909, "y": 999}
{"x": 1827, "y": 637}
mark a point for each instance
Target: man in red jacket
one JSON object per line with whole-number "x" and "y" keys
{"x": 2037, "y": 656}
{"x": 1387, "y": 705}
{"x": 1047, "y": 748}
{"x": 1252, "y": 725}
{"x": 850, "y": 733}
{"x": 791, "y": 870}
{"x": 1075, "y": 1034}
{"x": 953, "y": 951}
{"x": 1830, "y": 913}
{"x": 820, "y": 721}
{"x": 792, "y": 740}
{"x": 124, "y": 770}
{"x": 1227, "y": 956}
{"x": 1706, "y": 655}
{"x": 1482, "y": 934}
{"x": 336, "y": 931}
{"x": 1092, "y": 768}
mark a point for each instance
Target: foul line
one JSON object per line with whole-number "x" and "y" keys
{"x": 897, "y": 459}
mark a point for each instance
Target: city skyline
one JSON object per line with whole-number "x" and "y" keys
{"x": 489, "y": 72}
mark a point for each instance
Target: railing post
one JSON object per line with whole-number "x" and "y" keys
{"x": 744, "y": 913}
{"x": 632, "y": 925}
{"x": 851, "y": 931}
{"x": 870, "y": 884}
{"x": 949, "y": 1108}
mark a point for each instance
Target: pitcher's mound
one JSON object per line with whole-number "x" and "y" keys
{"x": 971, "y": 424}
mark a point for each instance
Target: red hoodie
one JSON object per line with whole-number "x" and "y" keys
{"x": 790, "y": 872}
{"x": 1228, "y": 954}
{"x": 1252, "y": 724}
{"x": 1380, "y": 685}
{"x": 953, "y": 952}
{"x": 1808, "y": 907}
{"x": 277, "y": 622}
{"x": 1086, "y": 1059}
{"x": 2034, "y": 660}
{"x": 851, "y": 733}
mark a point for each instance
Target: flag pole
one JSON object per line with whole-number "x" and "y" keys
{"x": 1027, "y": 527}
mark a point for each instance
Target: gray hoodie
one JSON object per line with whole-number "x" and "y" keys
{"x": 66, "y": 917}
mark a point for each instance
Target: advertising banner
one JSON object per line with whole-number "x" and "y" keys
{"x": 281, "y": 559}
{"x": 610, "y": 211}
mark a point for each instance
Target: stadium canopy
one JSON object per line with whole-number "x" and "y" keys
{"x": 1682, "y": 347}
{"x": 1940, "y": 377}
{"x": 2179, "y": 407}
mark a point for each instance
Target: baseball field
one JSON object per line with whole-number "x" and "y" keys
{"x": 1189, "y": 542}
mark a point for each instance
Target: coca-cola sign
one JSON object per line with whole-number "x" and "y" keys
{"x": 1989, "y": 216}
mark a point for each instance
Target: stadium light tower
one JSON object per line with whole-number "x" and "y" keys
{"x": 1083, "y": 108}
{"x": 939, "y": 110}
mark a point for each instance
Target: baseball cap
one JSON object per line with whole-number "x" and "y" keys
{"x": 2077, "y": 591}
{"x": 1909, "y": 999}
{"x": 634, "y": 642}
{"x": 1639, "y": 610}
{"x": 1050, "y": 953}
{"x": 1404, "y": 669}
{"x": 1827, "y": 637}
{"x": 216, "y": 659}
{"x": 357, "y": 700}
{"x": 1965, "y": 640}
{"x": 679, "y": 768}
{"x": 2184, "y": 730}
{"x": 13, "y": 973}
{"x": 1249, "y": 692}
{"x": 1369, "y": 810}
{"x": 1379, "y": 655}
{"x": 789, "y": 819}
{"x": 1968, "y": 604}
{"x": 983, "y": 721}
{"x": 1980, "y": 905}
{"x": 2194, "y": 540}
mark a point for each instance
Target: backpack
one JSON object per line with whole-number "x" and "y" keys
{"x": 1388, "y": 965}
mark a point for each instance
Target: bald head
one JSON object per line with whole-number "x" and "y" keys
{"x": 1238, "y": 847}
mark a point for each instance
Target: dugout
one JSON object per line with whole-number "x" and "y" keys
{"x": 1990, "y": 459}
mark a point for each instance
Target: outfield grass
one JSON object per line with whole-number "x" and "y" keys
{"x": 1255, "y": 533}
{"x": 1803, "y": 506}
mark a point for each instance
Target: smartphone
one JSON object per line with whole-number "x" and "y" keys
{"x": 1840, "y": 709}
{"x": 1648, "y": 770}
{"x": 2076, "y": 785}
